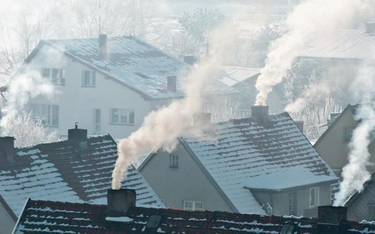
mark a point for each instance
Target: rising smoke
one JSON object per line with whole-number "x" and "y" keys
{"x": 310, "y": 19}
{"x": 355, "y": 173}
{"x": 162, "y": 128}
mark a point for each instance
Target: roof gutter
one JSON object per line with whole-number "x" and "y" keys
{"x": 289, "y": 188}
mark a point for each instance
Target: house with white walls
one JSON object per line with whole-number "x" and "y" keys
{"x": 107, "y": 85}
{"x": 261, "y": 164}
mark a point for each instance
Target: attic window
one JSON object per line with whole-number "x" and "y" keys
{"x": 173, "y": 161}
{"x": 88, "y": 78}
{"x": 56, "y": 76}
{"x": 348, "y": 134}
{"x": 193, "y": 205}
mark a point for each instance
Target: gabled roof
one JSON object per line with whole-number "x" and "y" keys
{"x": 251, "y": 156}
{"x": 368, "y": 187}
{"x": 235, "y": 75}
{"x": 59, "y": 217}
{"x": 351, "y": 108}
{"x": 134, "y": 63}
{"x": 67, "y": 171}
{"x": 340, "y": 44}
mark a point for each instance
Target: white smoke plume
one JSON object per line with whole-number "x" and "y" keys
{"x": 162, "y": 128}
{"x": 310, "y": 19}
{"x": 355, "y": 173}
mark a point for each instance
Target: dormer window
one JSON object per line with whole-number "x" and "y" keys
{"x": 88, "y": 78}
{"x": 55, "y": 75}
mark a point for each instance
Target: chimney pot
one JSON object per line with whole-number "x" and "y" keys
{"x": 172, "y": 83}
{"x": 102, "y": 46}
{"x": 120, "y": 201}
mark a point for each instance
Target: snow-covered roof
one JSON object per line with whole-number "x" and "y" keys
{"x": 341, "y": 44}
{"x": 67, "y": 171}
{"x": 60, "y": 217}
{"x": 248, "y": 154}
{"x": 236, "y": 75}
{"x": 136, "y": 64}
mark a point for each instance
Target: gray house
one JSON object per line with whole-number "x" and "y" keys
{"x": 262, "y": 164}
{"x": 361, "y": 205}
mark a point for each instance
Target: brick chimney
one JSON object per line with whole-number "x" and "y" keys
{"x": 102, "y": 46}
{"x": 120, "y": 201}
{"x": 260, "y": 113}
{"x": 172, "y": 83}
{"x": 7, "y": 147}
{"x": 77, "y": 134}
{"x": 332, "y": 220}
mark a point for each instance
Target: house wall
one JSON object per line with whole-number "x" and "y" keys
{"x": 363, "y": 207}
{"x": 6, "y": 221}
{"x": 280, "y": 201}
{"x": 334, "y": 148}
{"x": 77, "y": 103}
{"x": 187, "y": 182}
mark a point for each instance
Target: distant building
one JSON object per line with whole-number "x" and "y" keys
{"x": 107, "y": 85}
{"x": 333, "y": 144}
{"x": 262, "y": 164}
{"x": 361, "y": 205}
{"x": 121, "y": 216}
{"x": 76, "y": 170}
{"x": 243, "y": 79}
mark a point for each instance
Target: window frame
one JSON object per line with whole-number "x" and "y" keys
{"x": 91, "y": 78}
{"x": 46, "y": 113}
{"x": 292, "y": 202}
{"x": 130, "y": 115}
{"x": 348, "y": 134}
{"x": 193, "y": 205}
{"x": 97, "y": 122}
{"x": 173, "y": 161}
{"x": 60, "y": 75}
{"x": 316, "y": 197}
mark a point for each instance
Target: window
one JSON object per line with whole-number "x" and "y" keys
{"x": 173, "y": 161}
{"x": 193, "y": 205}
{"x": 49, "y": 114}
{"x": 55, "y": 75}
{"x": 348, "y": 134}
{"x": 96, "y": 121}
{"x": 314, "y": 197}
{"x": 292, "y": 202}
{"x": 121, "y": 116}
{"x": 88, "y": 78}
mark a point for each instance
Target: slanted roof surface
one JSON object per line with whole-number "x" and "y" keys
{"x": 67, "y": 171}
{"x": 59, "y": 217}
{"x": 248, "y": 153}
{"x": 340, "y": 44}
{"x": 136, "y": 64}
{"x": 236, "y": 75}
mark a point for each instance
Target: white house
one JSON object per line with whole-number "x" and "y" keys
{"x": 106, "y": 85}
{"x": 262, "y": 164}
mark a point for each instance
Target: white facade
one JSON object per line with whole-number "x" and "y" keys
{"x": 90, "y": 106}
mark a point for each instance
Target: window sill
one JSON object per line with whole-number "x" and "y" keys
{"x": 88, "y": 86}
{"x": 121, "y": 124}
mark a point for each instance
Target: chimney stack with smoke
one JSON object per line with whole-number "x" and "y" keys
{"x": 7, "y": 147}
{"x": 102, "y": 46}
{"x": 260, "y": 113}
{"x": 120, "y": 201}
{"x": 172, "y": 83}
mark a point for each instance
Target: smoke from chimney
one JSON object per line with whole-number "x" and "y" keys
{"x": 310, "y": 19}
{"x": 162, "y": 128}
